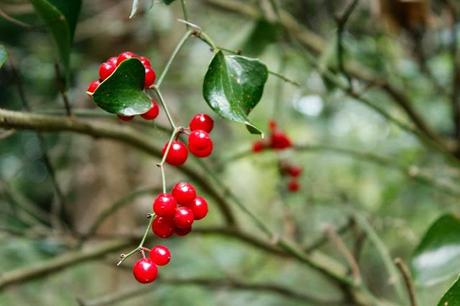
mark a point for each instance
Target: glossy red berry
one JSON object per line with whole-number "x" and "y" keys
{"x": 177, "y": 154}
{"x": 145, "y": 271}
{"x": 145, "y": 61}
{"x": 258, "y": 146}
{"x": 199, "y": 208}
{"x": 92, "y": 87}
{"x": 125, "y": 118}
{"x": 112, "y": 60}
{"x": 280, "y": 141}
{"x": 183, "y": 217}
{"x": 164, "y": 205}
{"x": 124, "y": 56}
{"x": 105, "y": 70}
{"x": 160, "y": 255}
{"x": 294, "y": 171}
{"x": 150, "y": 77}
{"x": 163, "y": 227}
{"x": 201, "y": 122}
{"x": 184, "y": 193}
{"x": 182, "y": 231}
{"x": 153, "y": 112}
{"x": 293, "y": 186}
{"x": 199, "y": 143}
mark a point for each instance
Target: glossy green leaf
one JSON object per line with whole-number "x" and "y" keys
{"x": 61, "y": 18}
{"x": 3, "y": 55}
{"x": 123, "y": 91}
{"x": 168, "y": 2}
{"x": 233, "y": 86}
{"x": 437, "y": 257}
{"x": 452, "y": 296}
{"x": 263, "y": 34}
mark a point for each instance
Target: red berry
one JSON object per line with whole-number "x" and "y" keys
{"x": 272, "y": 125}
{"x": 258, "y": 146}
{"x": 145, "y": 61}
{"x": 280, "y": 141}
{"x": 163, "y": 227}
{"x": 145, "y": 271}
{"x": 177, "y": 154}
{"x": 184, "y": 193}
{"x": 199, "y": 208}
{"x": 153, "y": 112}
{"x": 199, "y": 143}
{"x": 294, "y": 171}
{"x": 182, "y": 231}
{"x": 293, "y": 186}
{"x": 112, "y": 60}
{"x": 124, "y": 56}
{"x": 92, "y": 87}
{"x": 105, "y": 70}
{"x": 183, "y": 217}
{"x": 160, "y": 255}
{"x": 201, "y": 122}
{"x": 150, "y": 77}
{"x": 164, "y": 205}
{"x": 125, "y": 118}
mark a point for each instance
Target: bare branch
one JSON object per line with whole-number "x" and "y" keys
{"x": 405, "y": 273}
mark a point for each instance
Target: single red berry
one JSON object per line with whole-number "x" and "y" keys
{"x": 92, "y": 87}
{"x": 272, "y": 125}
{"x": 177, "y": 154}
{"x": 124, "y": 56}
{"x": 112, "y": 60}
{"x": 150, "y": 77}
{"x": 294, "y": 171}
{"x": 182, "y": 231}
{"x": 201, "y": 122}
{"x": 160, "y": 255}
{"x": 293, "y": 186}
{"x": 199, "y": 143}
{"x": 164, "y": 205}
{"x": 258, "y": 146}
{"x": 280, "y": 141}
{"x": 183, "y": 217}
{"x": 184, "y": 193}
{"x": 199, "y": 208}
{"x": 125, "y": 118}
{"x": 105, "y": 70}
{"x": 163, "y": 227}
{"x": 145, "y": 271}
{"x": 153, "y": 112}
{"x": 145, "y": 61}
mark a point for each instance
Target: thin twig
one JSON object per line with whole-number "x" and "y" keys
{"x": 14, "y": 20}
{"x": 60, "y": 83}
{"x": 405, "y": 273}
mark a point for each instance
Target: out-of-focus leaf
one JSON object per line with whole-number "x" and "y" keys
{"x": 134, "y": 8}
{"x": 123, "y": 92}
{"x": 263, "y": 34}
{"x": 168, "y": 2}
{"x": 437, "y": 257}
{"x": 452, "y": 296}
{"x": 233, "y": 86}
{"x": 3, "y": 55}
{"x": 61, "y": 18}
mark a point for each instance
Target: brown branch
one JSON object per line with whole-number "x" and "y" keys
{"x": 216, "y": 283}
{"x": 97, "y": 129}
{"x": 405, "y": 273}
{"x": 58, "y": 263}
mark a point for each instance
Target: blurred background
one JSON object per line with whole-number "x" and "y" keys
{"x": 406, "y": 43}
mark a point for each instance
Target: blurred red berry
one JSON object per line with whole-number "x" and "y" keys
{"x": 258, "y": 146}
{"x": 293, "y": 186}
{"x": 92, "y": 87}
{"x": 125, "y": 118}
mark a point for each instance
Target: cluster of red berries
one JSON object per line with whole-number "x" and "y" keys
{"x": 176, "y": 211}
{"x": 199, "y": 141}
{"x": 145, "y": 269}
{"x": 277, "y": 140}
{"x": 292, "y": 172}
{"x": 109, "y": 66}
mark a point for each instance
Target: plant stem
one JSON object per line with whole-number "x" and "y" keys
{"x": 163, "y": 104}
{"x": 172, "y": 57}
{"x": 163, "y": 159}
{"x": 184, "y": 11}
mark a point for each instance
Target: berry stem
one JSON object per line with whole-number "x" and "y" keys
{"x": 184, "y": 11}
{"x": 173, "y": 56}
{"x": 163, "y": 159}
{"x": 163, "y": 104}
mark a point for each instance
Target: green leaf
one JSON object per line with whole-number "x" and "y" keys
{"x": 123, "y": 92}
{"x": 263, "y": 34}
{"x": 168, "y": 2}
{"x": 61, "y": 18}
{"x": 437, "y": 257}
{"x": 3, "y": 55}
{"x": 233, "y": 86}
{"x": 452, "y": 296}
